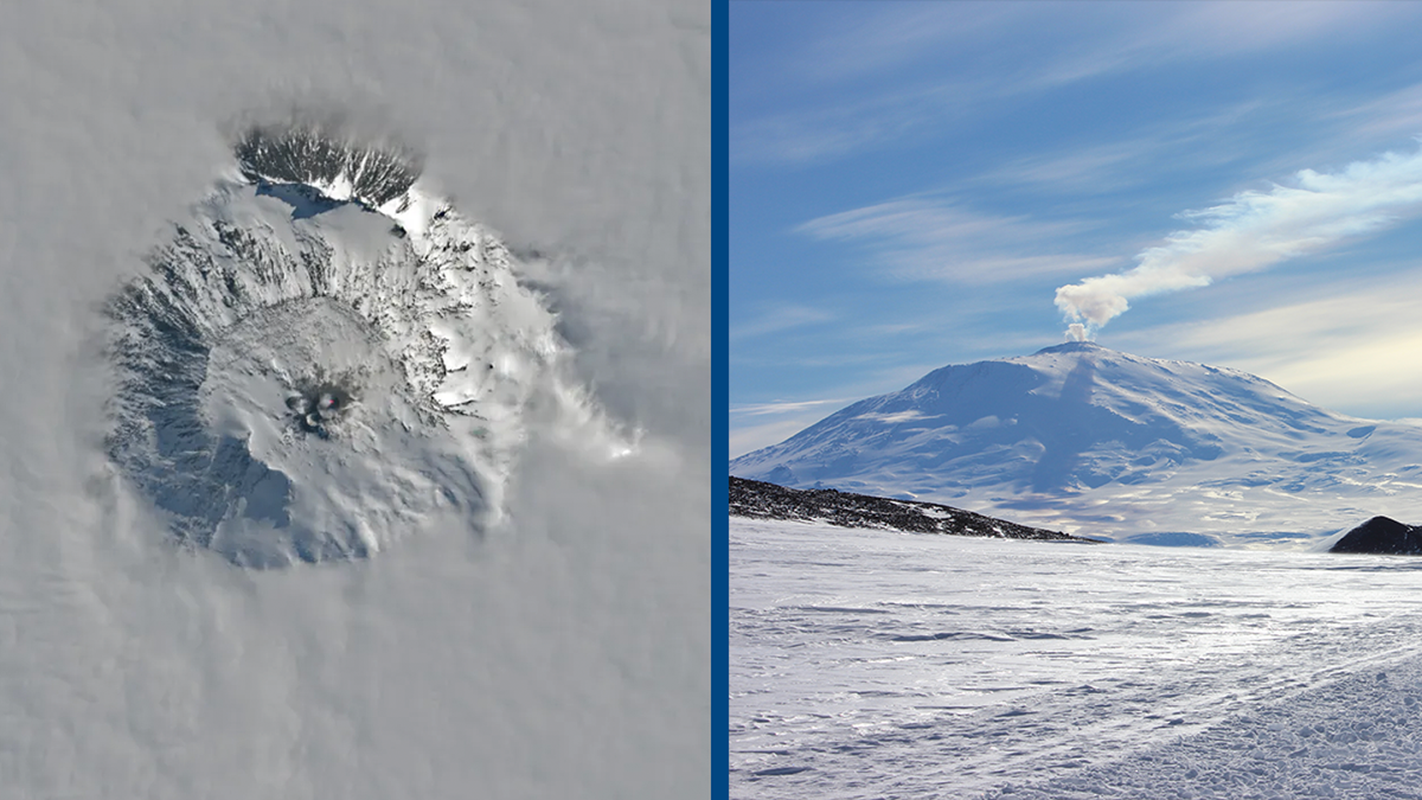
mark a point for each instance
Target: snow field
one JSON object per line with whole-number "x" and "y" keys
{"x": 1359, "y": 737}
{"x": 869, "y": 664}
{"x": 566, "y": 653}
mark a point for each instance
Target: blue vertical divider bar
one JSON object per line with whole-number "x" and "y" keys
{"x": 720, "y": 413}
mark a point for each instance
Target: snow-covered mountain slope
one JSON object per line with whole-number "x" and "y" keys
{"x": 326, "y": 356}
{"x": 1098, "y": 442}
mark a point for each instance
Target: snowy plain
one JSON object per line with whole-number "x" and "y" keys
{"x": 877, "y": 664}
{"x": 562, "y": 653}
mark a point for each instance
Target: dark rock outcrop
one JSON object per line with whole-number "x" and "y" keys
{"x": 768, "y": 501}
{"x": 315, "y": 154}
{"x": 1381, "y": 535}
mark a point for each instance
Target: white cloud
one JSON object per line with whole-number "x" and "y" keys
{"x": 896, "y": 34}
{"x": 749, "y": 438}
{"x": 816, "y": 133}
{"x": 1255, "y": 230}
{"x": 775, "y": 422}
{"x": 887, "y": 50}
{"x": 1234, "y": 27}
{"x": 920, "y": 239}
{"x": 1163, "y": 148}
{"x": 1395, "y": 114}
{"x": 1350, "y": 350}
{"x": 779, "y": 319}
{"x": 757, "y": 425}
{"x": 787, "y": 407}
{"x": 462, "y": 664}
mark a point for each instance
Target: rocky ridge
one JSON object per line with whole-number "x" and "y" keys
{"x": 768, "y": 501}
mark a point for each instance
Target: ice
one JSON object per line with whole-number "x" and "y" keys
{"x": 876, "y": 664}
{"x": 566, "y": 653}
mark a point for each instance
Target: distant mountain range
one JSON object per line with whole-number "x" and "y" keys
{"x": 1098, "y": 442}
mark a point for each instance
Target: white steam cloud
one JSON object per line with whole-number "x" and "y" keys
{"x": 1253, "y": 231}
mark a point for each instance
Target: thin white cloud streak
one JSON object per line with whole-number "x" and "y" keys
{"x": 887, "y": 40}
{"x": 923, "y": 240}
{"x": 1165, "y": 148}
{"x": 742, "y": 440}
{"x": 789, "y": 407}
{"x": 1255, "y": 230}
{"x": 785, "y": 419}
{"x": 1097, "y": 169}
{"x": 1121, "y": 39}
{"x": 1233, "y": 27}
{"x": 1397, "y": 113}
{"x": 133, "y": 668}
{"x": 1350, "y": 352}
{"x": 900, "y": 35}
{"x": 803, "y": 135}
{"x": 780, "y": 319}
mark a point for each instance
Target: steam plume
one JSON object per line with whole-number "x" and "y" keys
{"x": 1252, "y": 231}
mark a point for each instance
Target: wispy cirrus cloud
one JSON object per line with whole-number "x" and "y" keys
{"x": 1349, "y": 349}
{"x": 874, "y": 42}
{"x": 780, "y": 318}
{"x": 1255, "y": 230}
{"x": 758, "y": 425}
{"x": 920, "y": 239}
{"x": 1191, "y": 144}
{"x": 1221, "y": 28}
{"x": 1397, "y": 113}
{"x": 1050, "y": 46}
{"x": 789, "y": 407}
{"x": 817, "y": 132}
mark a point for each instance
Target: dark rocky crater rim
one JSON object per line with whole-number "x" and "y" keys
{"x": 318, "y": 155}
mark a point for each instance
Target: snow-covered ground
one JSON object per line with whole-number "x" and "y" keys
{"x": 563, "y": 652}
{"x": 870, "y": 664}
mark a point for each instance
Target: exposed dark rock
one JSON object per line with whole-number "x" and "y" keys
{"x": 1381, "y": 535}
{"x": 769, "y": 501}
{"x": 312, "y": 154}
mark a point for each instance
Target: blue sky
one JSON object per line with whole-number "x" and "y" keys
{"x": 921, "y": 184}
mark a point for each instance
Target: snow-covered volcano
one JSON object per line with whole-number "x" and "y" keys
{"x": 1094, "y": 441}
{"x": 326, "y": 357}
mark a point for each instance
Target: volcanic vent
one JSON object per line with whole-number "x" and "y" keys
{"x": 323, "y": 357}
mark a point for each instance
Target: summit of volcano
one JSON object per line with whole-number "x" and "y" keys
{"x": 1098, "y": 442}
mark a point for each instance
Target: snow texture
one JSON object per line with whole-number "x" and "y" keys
{"x": 562, "y": 650}
{"x": 1097, "y": 442}
{"x": 1360, "y": 736}
{"x": 872, "y": 664}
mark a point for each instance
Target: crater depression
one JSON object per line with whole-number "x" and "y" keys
{"x": 323, "y": 357}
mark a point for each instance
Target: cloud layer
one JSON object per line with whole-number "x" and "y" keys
{"x": 928, "y": 239}
{"x": 1255, "y": 230}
